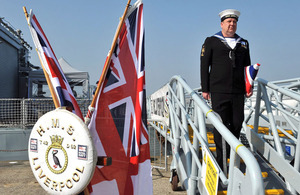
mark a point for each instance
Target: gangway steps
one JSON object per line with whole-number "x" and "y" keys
{"x": 272, "y": 182}
{"x": 267, "y": 192}
{"x": 261, "y": 130}
{"x": 266, "y": 131}
{"x": 264, "y": 174}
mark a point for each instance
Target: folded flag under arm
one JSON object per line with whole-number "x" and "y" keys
{"x": 59, "y": 87}
{"x": 250, "y": 75}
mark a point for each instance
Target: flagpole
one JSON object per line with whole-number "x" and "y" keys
{"x": 54, "y": 97}
{"x": 106, "y": 65}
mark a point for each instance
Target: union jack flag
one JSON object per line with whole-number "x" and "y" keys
{"x": 61, "y": 87}
{"x": 118, "y": 124}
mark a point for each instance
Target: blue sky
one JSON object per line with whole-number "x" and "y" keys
{"x": 82, "y": 33}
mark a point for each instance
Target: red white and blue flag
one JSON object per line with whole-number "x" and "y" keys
{"x": 250, "y": 75}
{"x": 62, "y": 89}
{"x": 118, "y": 124}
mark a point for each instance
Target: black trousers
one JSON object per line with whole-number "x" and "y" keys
{"x": 230, "y": 107}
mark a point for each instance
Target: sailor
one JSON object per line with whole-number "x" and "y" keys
{"x": 223, "y": 59}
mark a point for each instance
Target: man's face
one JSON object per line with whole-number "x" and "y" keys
{"x": 229, "y": 27}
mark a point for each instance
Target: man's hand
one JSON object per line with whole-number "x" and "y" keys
{"x": 206, "y": 95}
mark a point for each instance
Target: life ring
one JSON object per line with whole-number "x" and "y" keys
{"x": 61, "y": 152}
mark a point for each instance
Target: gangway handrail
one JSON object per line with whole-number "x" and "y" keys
{"x": 272, "y": 93}
{"x": 263, "y": 85}
{"x": 278, "y": 88}
{"x": 253, "y": 169}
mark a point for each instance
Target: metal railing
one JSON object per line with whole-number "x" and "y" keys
{"x": 16, "y": 112}
{"x": 186, "y": 156}
{"x": 276, "y": 110}
{"x": 158, "y": 131}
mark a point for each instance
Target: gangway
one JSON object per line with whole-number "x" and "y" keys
{"x": 190, "y": 121}
{"x": 277, "y": 110}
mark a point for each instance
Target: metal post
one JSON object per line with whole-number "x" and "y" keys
{"x": 188, "y": 156}
{"x": 174, "y": 126}
{"x": 257, "y": 107}
{"x": 232, "y": 163}
{"x": 202, "y": 126}
{"x": 272, "y": 122}
{"x": 194, "y": 169}
{"x": 174, "y": 112}
{"x": 297, "y": 153}
{"x": 166, "y": 140}
{"x": 23, "y": 113}
{"x": 296, "y": 163}
{"x": 154, "y": 144}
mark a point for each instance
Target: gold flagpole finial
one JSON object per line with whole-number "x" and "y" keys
{"x": 25, "y": 12}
